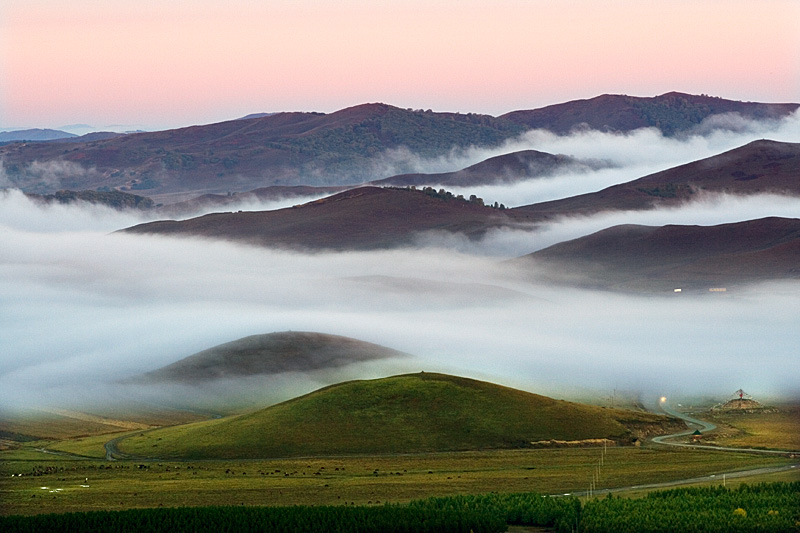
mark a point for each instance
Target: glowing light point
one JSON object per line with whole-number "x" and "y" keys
{"x": 663, "y": 399}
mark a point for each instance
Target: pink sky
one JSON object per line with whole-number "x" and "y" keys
{"x": 168, "y": 63}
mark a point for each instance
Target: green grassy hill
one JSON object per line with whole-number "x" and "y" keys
{"x": 403, "y": 414}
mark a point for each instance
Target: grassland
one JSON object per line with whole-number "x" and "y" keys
{"x": 413, "y": 413}
{"x": 774, "y": 428}
{"x": 350, "y": 480}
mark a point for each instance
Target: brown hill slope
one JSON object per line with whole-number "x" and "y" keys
{"x": 758, "y": 167}
{"x": 672, "y": 113}
{"x": 362, "y": 218}
{"x": 273, "y": 353}
{"x": 696, "y": 257}
{"x": 506, "y": 168}
{"x": 281, "y": 149}
{"x": 263, "y": 194}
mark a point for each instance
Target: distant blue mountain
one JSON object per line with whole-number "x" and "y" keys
{"x": 35, "y": 134}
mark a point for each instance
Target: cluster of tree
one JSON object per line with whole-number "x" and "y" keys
{"x": 447, "y": 195}
{"x": 773, "y": 507}
{"x": 322, "y": 519}
{"x": 111, "y": 198}
{"x": 524, "y": 509}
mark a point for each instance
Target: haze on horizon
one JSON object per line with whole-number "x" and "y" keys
{"x": 159, "y": 65}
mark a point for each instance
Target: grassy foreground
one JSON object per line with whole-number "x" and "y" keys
{"x": 51, "y": 484}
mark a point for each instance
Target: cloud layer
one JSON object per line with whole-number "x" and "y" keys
{"x": 81, "y": 307}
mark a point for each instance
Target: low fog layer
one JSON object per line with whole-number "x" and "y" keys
{"x": 82, "y": 308}
{"x": 631, "y": 155}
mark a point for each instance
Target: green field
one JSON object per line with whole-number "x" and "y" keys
{"x": 774, "y": 428}
{"x": 363, "y": 443}
{"x": 54, "y": 484}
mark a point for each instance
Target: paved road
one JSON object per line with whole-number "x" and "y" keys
{"x": 719, "y": 478}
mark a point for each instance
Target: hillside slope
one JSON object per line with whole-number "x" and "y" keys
{"x": 402, "y": 414}
{"x": 350, "y": 146}
{"x": 338, "y": 148}
{"x": 506, "y": 168}
{"x": 755, "y": 168}
{"x": 272, "y": 353}
{"x": 660, "y": 258}
{"x": 358, "y": 219}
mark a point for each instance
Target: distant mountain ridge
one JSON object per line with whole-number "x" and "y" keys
{"x": 672, "y": 113}
{"x": 359, "y": 144}
{"x": 34, "y": 134}
{"x": 319, "y": 149}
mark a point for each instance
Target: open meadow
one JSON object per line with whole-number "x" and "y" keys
{"x": 32, "y": 482}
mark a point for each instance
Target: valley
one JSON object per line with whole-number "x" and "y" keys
{"x": 383, "y": 305}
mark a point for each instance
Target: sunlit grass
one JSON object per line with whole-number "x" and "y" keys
{"x": 779, "y": 429}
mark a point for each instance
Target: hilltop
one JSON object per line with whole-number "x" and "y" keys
{"x": 401, "y": 414}
{"x": 272, "y": 353}
{"x": 355, "y": 145}
{"x": 506, "y": 168}
{"x": 672, "y": 113}
{"x": 279, "y": 149}
{"x": 675, "y": 256}
{"x": 359, "y": 219}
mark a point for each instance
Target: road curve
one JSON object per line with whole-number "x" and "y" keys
{"x": 704, "y": 427}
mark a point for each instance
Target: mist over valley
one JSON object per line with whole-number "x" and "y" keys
{"x": 87, "y": 308}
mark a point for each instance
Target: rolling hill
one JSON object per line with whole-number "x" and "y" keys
{"x": 402, "y": 414}
{"x": 506, "y": 168}
{"x": 263, "y": 194}
{"x": 755, "y": 168}
{"x": 672, "y": 113}
{"x": 272, "y": 353}
{"x": 371, "y": 218}
{"x": 350, "y": 146}
{"x": 280, "y": 149}
{"x": 662, "y": 258}
{"x": 359, "y": 219}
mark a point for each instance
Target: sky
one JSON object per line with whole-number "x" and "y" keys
{"x": 152, "y": 64}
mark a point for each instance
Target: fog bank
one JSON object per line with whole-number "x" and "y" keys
{"x": 81, "y": 309}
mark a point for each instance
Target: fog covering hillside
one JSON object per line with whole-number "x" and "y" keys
{"x": 271, "y": 353}
{"x": 84, "y": 307}
{"x": 676, "y": 257}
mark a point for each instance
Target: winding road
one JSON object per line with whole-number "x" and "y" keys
{"x": 704, "y": 427}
